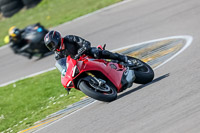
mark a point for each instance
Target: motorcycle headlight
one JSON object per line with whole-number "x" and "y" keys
{"x": 63, "y": 72}
{"x": 67, "y": 64}
{"x": 75, "y": 71}
{"x": 70, "y": 84}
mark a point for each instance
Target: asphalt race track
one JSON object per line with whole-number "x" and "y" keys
{"x": 170, "y": 104}
{"x": 155, "y": 53}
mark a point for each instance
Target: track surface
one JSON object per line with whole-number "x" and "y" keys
{"x": 170, "y": 104}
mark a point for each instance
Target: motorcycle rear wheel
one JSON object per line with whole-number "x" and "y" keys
{"x": 143, "y": 74}
{"x": 92, "y": 92}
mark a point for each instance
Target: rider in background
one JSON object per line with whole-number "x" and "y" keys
{"x": 15, "y": 38}
{"x": 73, "y": 45}
{"x": 18, "y": 42}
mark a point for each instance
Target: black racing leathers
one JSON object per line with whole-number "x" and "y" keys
{"x": 73, "y": 44}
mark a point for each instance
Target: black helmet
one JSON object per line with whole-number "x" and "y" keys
{"x": 52, "y": 40}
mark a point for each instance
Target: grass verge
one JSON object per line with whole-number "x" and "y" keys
{"x": 51, "y": 13}
{"x": 27, "y": 101}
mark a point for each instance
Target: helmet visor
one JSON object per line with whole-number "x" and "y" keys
{"x": 51, "y": 46}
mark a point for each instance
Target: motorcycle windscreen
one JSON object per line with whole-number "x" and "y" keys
{"x": 61, "y": 65}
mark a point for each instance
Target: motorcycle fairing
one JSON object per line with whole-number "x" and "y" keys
{"x": 65, "y": 80}
{"x": 112, "y": 71}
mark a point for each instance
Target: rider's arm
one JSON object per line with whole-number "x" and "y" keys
{"x": 79, "y": 41}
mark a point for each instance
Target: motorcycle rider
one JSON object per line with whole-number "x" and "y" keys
{"x": 73, "y": 45}
{"x": 15, "y": 38}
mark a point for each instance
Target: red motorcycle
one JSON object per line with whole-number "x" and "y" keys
{"x": 101, "y": 79}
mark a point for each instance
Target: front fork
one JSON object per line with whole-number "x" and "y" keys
{"x": 92, "y": 79}
{"x": 99, "y": 82}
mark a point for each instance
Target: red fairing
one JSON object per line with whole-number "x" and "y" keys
{"x": 114, "y": 75}
{"x": 68, "y": 76}
{"x": 112, "y": 71}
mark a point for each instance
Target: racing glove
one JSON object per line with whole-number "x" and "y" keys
{"x": 58, "y": 55}
{"x": 81, "y": 51}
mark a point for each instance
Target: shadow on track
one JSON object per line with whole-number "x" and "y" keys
{"x": 142, "y": 86}
{"x": 45, "y": 55}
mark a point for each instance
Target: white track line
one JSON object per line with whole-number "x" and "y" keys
{"x": 187, "y": 38}
{"x": 32, "y": 75}
{"x": 3, "y": 47}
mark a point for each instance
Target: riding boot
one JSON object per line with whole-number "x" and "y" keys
{"x": 97, "y": 53}
{"x": 121, "y": 58}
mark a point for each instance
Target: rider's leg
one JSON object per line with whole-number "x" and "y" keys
{"x": 98, "y": 53}
{"x": 115, "y": 56}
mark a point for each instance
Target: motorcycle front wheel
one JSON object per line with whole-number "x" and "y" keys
{"x": 106, "y": 93}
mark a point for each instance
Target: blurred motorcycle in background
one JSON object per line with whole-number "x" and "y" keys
{"x": 32, "y": 42}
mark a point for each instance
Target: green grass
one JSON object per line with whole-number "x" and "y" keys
{"x": 51, "y": 13}
{"x": 32, "y": 99}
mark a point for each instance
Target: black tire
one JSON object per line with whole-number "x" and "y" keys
{"x": 11, "y": 8}
{"x": 11, "y": 13}
{"x": 30, "y": 3}
{"x": 144, "y": 74}
{"x": 90, "y": 91}
{"x": 4, "y": 2}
